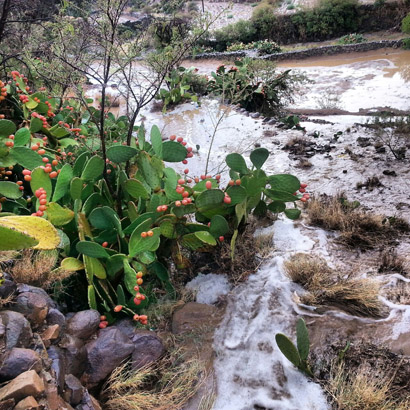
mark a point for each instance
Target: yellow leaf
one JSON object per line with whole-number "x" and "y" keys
{"x": 37, "y": 228}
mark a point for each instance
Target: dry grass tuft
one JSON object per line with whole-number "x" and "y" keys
{"x": 357, "y": 228}
{"x": 166, "y": 385}
{"x": 304, "y": 164}
{"x": 361, "y": 390}
{"x": 325, "y": 287}
{"x": 390, "y": 261}
{"x": 38, "y": 268}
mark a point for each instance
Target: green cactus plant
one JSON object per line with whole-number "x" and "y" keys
{"x": 297, "y": 355}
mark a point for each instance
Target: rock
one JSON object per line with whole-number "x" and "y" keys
{"x": 58, "y": 365}
{"x": 29, "y": 403}
{"x": 255, "y": 115}
{"x": 55, "y": 317}
{"x": 192, "y": 316}
{"x": 51, "y": 333}
{"x": 390, "y": 173}
{"x": 26, "y": 384}
{"x": 272, "y": 121}
{"x": 17, "y": 329}
{"x": 7, "y": 288}
{"x": 83, "y": 324}
{"x": 7, "y": 404}
{"x": 89, "y": 403}
{"x": 23, "y": 288}
{"x": 32, "y": 305}
{"x": 364, "y": 142}
{"x": 18, "y": 361}
{"x": 54, "y": 401}
{"x": 106, "y": 353}
{"x": 75, "y": 355}
{"x": 148, "y": 348}
{"x": 74, "y": 390}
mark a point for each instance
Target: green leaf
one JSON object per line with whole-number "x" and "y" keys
{"x": 283, "y": 196}
{"x": 40, "y": 179}
{"x": 58, "y": 132}
{"x": 72, "y": 264}
{"x": 35, "y": 125}
{"x": 94, "y": 267}
{"x": 156, "y": 141}
{"x": 10, "y": 190}
{"x": 209, "y": 199}
{"x": 93, "y": 168}
{"x": 114, "y": 264}
{"x": 277, "y": 207}
{"x": 160, "y": 270}
{"x": 76, "y": 186}
{"x": 121, "y": 296}
{"x": 105, "y": 218}
{"x": 139, "y": 244}
{"x": 63, "y": 182}
{"x": 260, "y": 209}
{"x": 197, "y": 240}
{"x": 27, "y": 158}
{"x": 22, "y": 137}
{"x": 136, "y": 189}
{"x": 292, "y": 213}
{"x": 92, "y": 202}
{"x": 302, "y": 337}
{"x": 147, "y": 257}
{"x": 7, "y": 128}
{"x": 237, "y": 194}
{"x": 149, "y": 171}
{"x": 259, "y": 156}
{"x": 130, "y": 276}
{"x": 288, "y": 349}
{"x": 59, "y": 215}
{"x": 92, "y": 249}
{"x": 237, "y": 163}
{"x": 284, "y": 182}
{"x": 219, "y": 226}
{"x": 92, "y": 302}
{"x": 173, "y": 151}
{"x": 121, "y": 153}
{"x": 80, "y": 163}
{"x": 31, "y": 104}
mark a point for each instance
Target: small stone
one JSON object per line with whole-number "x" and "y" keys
{"x": 83, "y": 324}
{"x": 29, "y": 403}
{"x": 75, "y": 355}
{"x": 89, "y": 403}
{"x": 74, "y": 390}
{"x": 106, "y": 353}
{"x": 18, "y": 361}
{"x": 32, "y": 305}
{"x": 7, "y": 288}
{"x": 23, "y": 288}
{"x": 17, "y": 329}
{"x": 192, "y": 316}
{"x": 55, "y": 317}
{"x": 26, "y": 384}
{"x": 148, "y": 348}
{"x": 58, "y": 365}
{"x": 255, "y": 115}
{"x": 51, "y": 333}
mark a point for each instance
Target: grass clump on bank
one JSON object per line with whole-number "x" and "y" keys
{"x": 166, "y": 385}
{"x": 325, "y": 287}
{"x": 356, "y": 227}
{"x": 362, "y": 391}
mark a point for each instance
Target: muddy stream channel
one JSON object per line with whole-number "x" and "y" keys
{"x": 337, "y": 153}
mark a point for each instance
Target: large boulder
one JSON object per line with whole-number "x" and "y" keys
{"x": 83, "y": 324}
{"x": 23, "y": 288}
{"x": 17, "y": 329}
{"x": 33, "y": 306}
{"x": 106, "y": 353}
{"x": 26, "y": 384}
{"x": 17, "y": 361}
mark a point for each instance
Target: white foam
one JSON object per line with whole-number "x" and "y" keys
{"x": 209, "y": 287}
{"x": 250, "y": 369}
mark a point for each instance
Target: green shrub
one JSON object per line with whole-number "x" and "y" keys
{"x": 263, "y": 46}
{"x": 241, "y": 31}
{"x": 406, "y": 43}
{"x": 405, "y": 24}
{"x": 264, "y": 20}
{"x": 119, "y": 226}
{"x": 352, "y": 39}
